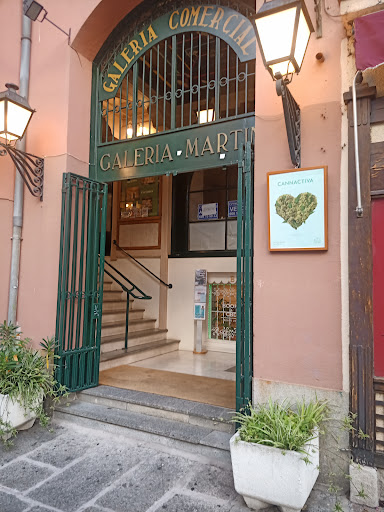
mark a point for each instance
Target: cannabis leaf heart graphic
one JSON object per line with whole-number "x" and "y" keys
{"x": 296, "y": 210}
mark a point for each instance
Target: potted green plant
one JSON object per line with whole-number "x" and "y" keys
{"x": 275, "y": 454}
{"x": 26, "y": 379}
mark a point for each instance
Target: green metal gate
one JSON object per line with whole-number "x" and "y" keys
{"x": 80, "y": 288}
{"x": 244, "y": 326}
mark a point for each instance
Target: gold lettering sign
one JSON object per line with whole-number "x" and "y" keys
{"x": 151, "y": 155}
{"x": 132, "y": 50}
{"x": 231, "y": 26}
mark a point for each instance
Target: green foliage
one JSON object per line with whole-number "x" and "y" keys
{"x": 26, "y": 375}
{"x": 362, "y": 494}
{"x": 338, "y": 507}
{"x": 288, "y": 427}
{"x": 281, "y": 425}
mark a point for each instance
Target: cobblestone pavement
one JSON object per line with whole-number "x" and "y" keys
{"x": 76, "y": 469}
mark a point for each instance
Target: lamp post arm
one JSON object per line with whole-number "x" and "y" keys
{"x": 292, "y": 117}
{"x": 30, "y": 168}
{"x": 68, "y": 34}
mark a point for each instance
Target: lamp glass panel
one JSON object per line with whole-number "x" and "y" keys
{"x": 276, "y": 33}
{"x": 283, "y": 67}
{"x": 303, "y": 34}
{"x": 7, "y": 137}
{"x": 33, "y": 10}
{"x": 17, "y": 119}
{"x": 2, "y": 116}
{"x": 206, "y": 116}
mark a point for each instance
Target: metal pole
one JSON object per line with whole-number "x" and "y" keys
{"x": 18, "y": 204}
{"x": 359, "y": 209}
{"x": 126, "y": 323}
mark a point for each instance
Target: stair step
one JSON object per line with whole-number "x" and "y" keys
{"x": 115, "y": 294}
{"x": 196, "y": 439}
{"x": 111, "y": 286}
{"x": 118, "y": 315}
{"x": 116, "y": 341}
{"x": 186, "y": 411}
{"x": 137, "y": 353}
{"x": 109, "y": 328}
{"x": 112, "y": 304}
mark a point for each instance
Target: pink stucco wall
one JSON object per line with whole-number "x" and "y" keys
{"x": 297, "y": 297}
{"x": 59, "y": 84}
{"x": 60, "y": 91}
{"x": 297, "y": 312}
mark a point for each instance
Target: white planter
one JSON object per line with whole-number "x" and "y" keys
{"x": 267, "y": 476}
{"x": 15, "y": 415}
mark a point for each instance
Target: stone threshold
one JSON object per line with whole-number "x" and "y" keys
{"x": 165, "y": 403}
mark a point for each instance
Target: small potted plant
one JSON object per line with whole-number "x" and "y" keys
{"x": 26, "y": 378}
{"x": 275, "y": 454}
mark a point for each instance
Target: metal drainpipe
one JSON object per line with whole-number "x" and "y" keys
{"x": 358, "y": 79}
{"x": 18, "y": 204}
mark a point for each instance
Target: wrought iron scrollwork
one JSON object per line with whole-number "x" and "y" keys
{"x": 292, "y": 120}
{"x": 30, "y": 167}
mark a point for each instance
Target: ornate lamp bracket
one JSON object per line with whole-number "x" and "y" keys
{"x": 30, "y": 167}
{"x": 292, "y": 117}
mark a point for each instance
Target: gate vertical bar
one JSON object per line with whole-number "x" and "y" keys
{"x": 66, "y": 255}
{"x": 104, "y": 202}
{"x": 244, "y": 319}
{"x": 240, "y": 305}
{"x": 173, "y": 82}
{"x": 134, "y": 99}
{"x": 60, "y": 294}
{"x": 217, "y": 79}
{"x": 92, "y": 285}
{"x": 248, "y": 275}
{"x": 74, "y": 266}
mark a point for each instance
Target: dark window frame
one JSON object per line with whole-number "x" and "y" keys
{"x": 181, "y": 216}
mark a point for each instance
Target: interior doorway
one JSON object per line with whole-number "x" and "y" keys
{"x": 160, "y": 354}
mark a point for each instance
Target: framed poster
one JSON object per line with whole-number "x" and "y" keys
{"x": 297, "y": 209}
{"x": 201, "y": 294}
{"x": 199, "y": 312}
{"x": 200, "y": 277}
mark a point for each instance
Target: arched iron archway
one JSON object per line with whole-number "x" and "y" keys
{"x": 167, "y": 88}
{"x": 172, "y": 74}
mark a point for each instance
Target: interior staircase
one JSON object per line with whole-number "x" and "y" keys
{"x": 144, "y": 339}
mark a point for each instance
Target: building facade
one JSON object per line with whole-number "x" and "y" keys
{"x": 165, "y": 103}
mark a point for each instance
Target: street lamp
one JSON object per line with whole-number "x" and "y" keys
{"x": 283, "y": 29}
{"x": 15, "y": 115}
{"x": 33, "y": 9}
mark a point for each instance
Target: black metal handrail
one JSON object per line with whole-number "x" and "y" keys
{"x": 141, "y": 265}
{"x": 134, "y": 292}
{"x": 142, "y": 296}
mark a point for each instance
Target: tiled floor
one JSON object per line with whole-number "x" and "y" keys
{"x": 212, "y": 364}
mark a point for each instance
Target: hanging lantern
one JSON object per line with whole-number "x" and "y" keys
{"x": 15, "y": 114}
{"x": 283, "y": 29}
